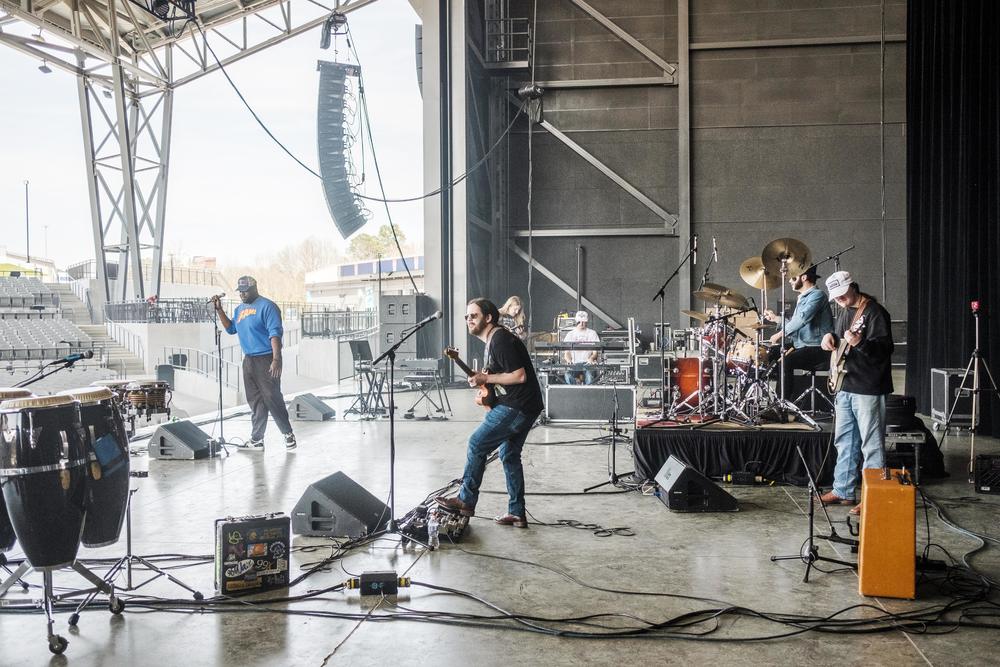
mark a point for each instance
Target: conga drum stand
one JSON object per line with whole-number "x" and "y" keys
{"x": 58, "y": 644}
{"x": 126, "y": 562}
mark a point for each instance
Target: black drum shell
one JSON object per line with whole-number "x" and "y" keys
{"x": 7, "y": 536}
{"x": 108, "y": 466}
{"x": 46, "y": 509}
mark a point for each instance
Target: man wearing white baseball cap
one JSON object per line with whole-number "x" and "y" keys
{"x": 859, "y": 433}
{"x": 581, "y": 334}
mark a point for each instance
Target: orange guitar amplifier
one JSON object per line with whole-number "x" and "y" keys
{"x": 887, "y": 553}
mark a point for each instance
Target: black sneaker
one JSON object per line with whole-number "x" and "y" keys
{"x": 290, "y": 441}
{"x": 257, "y": 445}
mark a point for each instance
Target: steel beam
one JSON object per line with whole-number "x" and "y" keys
{"x": 668, "y": 218}
{"x": 683, "y": 154}
{"x": 801, "y": 41}
{"x": 563, "y": 285}
{"x": 621, "y": 34}
{"x": 604, "y": 83}
{"x": 84, "y": 91}
{"x": 574, "y": 232}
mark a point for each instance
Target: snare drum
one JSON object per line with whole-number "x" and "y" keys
{"x": 7, "y": 536}
{"x": 716, "y": 336}
{"x": 44, "y": 458}
{"x": 108, "y": 470}
{"x": 745, "y": 355}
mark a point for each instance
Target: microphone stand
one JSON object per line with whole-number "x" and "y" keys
{"x": 221, "y": 440}
{"x": 392, "y": 527}
{"x": 661, "y": 295}
{"x": 43, "y": 373}
{"x": 613, "y": 476}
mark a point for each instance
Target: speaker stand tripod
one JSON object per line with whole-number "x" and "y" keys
{"x": 809, "y": 554}
{"x": 972, "y": 368}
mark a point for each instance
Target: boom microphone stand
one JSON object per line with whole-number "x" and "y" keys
{"x": 661, "y": 295}
{"x": 613, "y": 476}
{"x": 392, "y": 527}
{"x": 221, "y": 440}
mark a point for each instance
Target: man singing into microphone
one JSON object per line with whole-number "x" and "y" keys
{"x": 257, "y": 321}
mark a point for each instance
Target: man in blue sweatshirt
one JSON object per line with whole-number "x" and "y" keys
{"x": 257, "y": 322}
{"x": 804, "y": 331}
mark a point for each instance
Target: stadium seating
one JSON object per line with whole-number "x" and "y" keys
{"x": 31, "y": 326}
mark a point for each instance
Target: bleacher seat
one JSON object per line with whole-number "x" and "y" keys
{"x": 31, "y": 326}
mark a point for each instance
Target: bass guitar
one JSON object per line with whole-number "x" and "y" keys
{"x": 486, "y": 394}
{"x": 838, "y": 358}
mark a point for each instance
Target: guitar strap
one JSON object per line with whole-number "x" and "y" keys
{"x": 487, "y": 350}
{"x": 858, "y": 313}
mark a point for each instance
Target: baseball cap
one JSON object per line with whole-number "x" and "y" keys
{"x": 581, "y": 316}
{"x": 838, "y": 283}
{"x": 245, "y": 283}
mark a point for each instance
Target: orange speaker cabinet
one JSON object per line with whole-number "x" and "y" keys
{"x": 887, "y": 553}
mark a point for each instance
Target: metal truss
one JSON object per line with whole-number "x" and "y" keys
{"x": 128, "y": 63}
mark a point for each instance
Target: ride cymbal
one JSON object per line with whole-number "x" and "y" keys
{"x": 730, "y": 299}
{"x": 696, "y": 315}
{"x": 796, "y": 252}
{"x": 753, "y": 273}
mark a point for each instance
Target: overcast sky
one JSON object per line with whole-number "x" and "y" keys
{"x": 232, "y": 192}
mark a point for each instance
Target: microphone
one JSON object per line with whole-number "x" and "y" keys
{"x": 73, "y": 358}
{"x": 217, "y": 296}
{"x": 715, "y": 251}
{"x": 694, "y": 249}
{"x": 429, "y": 318}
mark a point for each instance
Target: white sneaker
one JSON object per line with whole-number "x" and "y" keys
{"x": 290, "y": 441}
{"x": 257, "y": 445}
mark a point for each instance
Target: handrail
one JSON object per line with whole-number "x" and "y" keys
{"x": 130, "y": 340}
{"x": 204, "y": 364}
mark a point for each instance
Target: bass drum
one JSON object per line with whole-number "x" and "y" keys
{"x": 43, "y": 477}
{"x": 687, "y": 381}
{"x": 106, "y": 498}
{"x": 7, "y": 536}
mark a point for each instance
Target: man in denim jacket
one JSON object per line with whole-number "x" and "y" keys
{"x": 804, "y": 331}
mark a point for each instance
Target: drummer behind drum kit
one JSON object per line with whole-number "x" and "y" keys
{"x": 720, "y": 369}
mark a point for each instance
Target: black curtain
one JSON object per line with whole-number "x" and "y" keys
{"x": 953, "y": 189}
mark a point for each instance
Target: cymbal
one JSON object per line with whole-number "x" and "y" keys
{"x": 730, "y": 299}
{"x": 697, "y": 315}
{"x": 716, "y": 288}
{"x": 762, "y": 325}
{"x": 798, "y": 255}
{"x": 753, "y": 273}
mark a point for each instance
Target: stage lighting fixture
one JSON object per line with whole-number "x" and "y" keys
{"x": 332, "y": 26}
{"x": 44, "y": 68}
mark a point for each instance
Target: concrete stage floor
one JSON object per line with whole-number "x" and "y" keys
{"x": 724, "y": 557}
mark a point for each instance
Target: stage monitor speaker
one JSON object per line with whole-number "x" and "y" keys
{"x": 684, "y": 489}
{"x": 987, "y": 473}
{"x": 180, "y": 440}
{"x": 347, "y": 209}
{"x": 308, "y": 408}
{"x": 588, "y": 402}
{"x": 337, "y": 506}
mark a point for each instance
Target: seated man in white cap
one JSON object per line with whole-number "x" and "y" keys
{"x": 581, "y": 334}
{"x": 859, "y": 433}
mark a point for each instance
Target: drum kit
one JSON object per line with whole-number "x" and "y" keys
{"x": 64, "y": 476}
{"x": 720, "y": 368}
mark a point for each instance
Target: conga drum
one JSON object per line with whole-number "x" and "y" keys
{"x": 7, "y": 536}
{"x": 43, "y": 460}
{"x": 107, "y": 478}
{"x": 119, "y": 387}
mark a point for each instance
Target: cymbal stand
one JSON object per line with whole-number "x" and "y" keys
{"x": 782, "y": 406}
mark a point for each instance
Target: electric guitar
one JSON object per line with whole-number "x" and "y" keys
{"x": 838, "y": 358}
{"x": 486, "y": 394}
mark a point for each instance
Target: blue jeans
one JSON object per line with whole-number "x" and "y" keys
{"x": 574, "y": 377}
{"x": 507, "y": 428}
{"x": 860, "y": 431}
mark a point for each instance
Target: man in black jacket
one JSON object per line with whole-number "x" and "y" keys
{"x": 507, "y": 366}
{"x": 860, "y": 404}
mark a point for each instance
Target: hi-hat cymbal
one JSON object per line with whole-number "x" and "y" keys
{"x": 753, "y": 273}
{"x": 796, "y": 252}
{"x": 730, "y": 299}
{"x": 697, "y": 315}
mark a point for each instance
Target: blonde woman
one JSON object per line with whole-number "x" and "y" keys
{"x": 512, "y": 317}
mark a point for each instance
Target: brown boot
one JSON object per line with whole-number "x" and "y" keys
{"x": 856, "y": 510}
{"x": 512, "y": 520}
{"x": 831, "y": 498}
{"x": 455, "y": 505}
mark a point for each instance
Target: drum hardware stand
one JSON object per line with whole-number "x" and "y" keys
{"x": 392, "y": 526}
{"x": 4, "y": 565}
{"x": 613, "y": 477}
{"x": 58, "y": 644}
{"x": 810, "y": 554}
{"x": 976, "y": 361}
{"x": 661, "y": 295}
{"x": 126, "y": 562}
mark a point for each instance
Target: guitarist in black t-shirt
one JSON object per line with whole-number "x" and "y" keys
{"x": 862, "y": 348}
{"x": 506, "y": 366}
